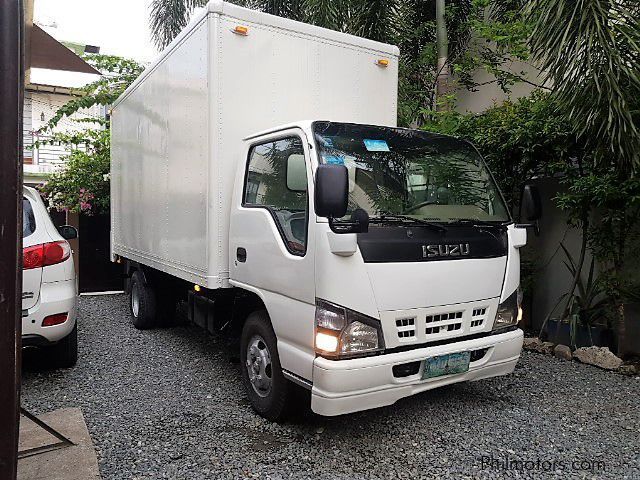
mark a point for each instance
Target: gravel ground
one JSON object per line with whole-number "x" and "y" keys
{"x": 169, "y": 404}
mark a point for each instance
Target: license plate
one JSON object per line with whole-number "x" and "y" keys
{"x": 446, "y": 364}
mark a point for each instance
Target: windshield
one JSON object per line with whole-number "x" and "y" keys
{"x": 394, "y": 171}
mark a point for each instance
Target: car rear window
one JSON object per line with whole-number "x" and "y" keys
{"x": 28, "y": 218}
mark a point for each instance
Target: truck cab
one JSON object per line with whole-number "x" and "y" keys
{"x": 385, "y": 258}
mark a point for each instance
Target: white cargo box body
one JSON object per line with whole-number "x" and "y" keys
{"x": 177, "y": 132}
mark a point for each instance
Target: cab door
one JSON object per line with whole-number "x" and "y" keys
{"x": 272, "y": 242}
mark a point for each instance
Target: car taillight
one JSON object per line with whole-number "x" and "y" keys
{"x": 38, "y": 256}
{"x": 32, "y": 257}
{"x": 56, "y": 252}
{"x": 56, "y": 319}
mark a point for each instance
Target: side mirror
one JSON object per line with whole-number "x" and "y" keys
{"x": 530, "y": 208}
{"x": 296, "y": 173}
{"x": 68, "y": 232}
{"x": 332, "y": 191}
{"x": 332, "y": 200}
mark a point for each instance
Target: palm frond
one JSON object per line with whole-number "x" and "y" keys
{"x": 168, "y": 17}
{"x": 590, "y": 51}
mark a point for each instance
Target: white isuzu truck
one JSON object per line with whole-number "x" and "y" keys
{"x": 257, "y": 173}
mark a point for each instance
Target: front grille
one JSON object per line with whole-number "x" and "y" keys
{"x": 433, "y": 324}
{"x": 478, "y": 317}
{"x": 443, "y": 323}
{"x": 406, "y": 328}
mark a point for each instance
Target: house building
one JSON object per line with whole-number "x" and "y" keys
{"x": 56, "y": 75}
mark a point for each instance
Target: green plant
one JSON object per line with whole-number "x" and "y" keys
{"x": 586, "y": 305}
{"x": 117, "y": 74}
{"x": 83, "y": 184}
{"x": 589, "y": 303}
{"x": 520, "y": 140}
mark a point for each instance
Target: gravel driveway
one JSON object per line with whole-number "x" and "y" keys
{"x": 169, "y": 404}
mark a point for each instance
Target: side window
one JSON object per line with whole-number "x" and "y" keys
{"x": 277, "y": 180}
{"x": 28, "y": 218}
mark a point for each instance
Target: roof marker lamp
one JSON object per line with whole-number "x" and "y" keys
{"x": 382, "y": 62}
{"x": 343, "y": 333}
{"x": 241, "y": 30}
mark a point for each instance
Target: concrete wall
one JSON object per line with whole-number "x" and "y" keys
{"x": 552, "y": 278}
{"x": 489, "y": 92}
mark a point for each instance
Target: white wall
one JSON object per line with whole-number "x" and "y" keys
{"x": 39, "y": 109}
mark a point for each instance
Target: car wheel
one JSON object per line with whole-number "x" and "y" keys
{"x": 266, "y": 387}
{"x": 65, "y": 352}
{"x": 142, "y": 302}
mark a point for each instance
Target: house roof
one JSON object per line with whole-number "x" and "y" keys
{"x": 47, "y": 52}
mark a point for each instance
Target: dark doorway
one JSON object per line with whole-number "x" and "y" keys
{"x": 97, "y": 272}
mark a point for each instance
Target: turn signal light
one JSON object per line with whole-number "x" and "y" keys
{"x": 241, "y": 30}
{"x": 56, "y": 319}
{"x": 38, "y": 256}
{"x": 382, "y": 62}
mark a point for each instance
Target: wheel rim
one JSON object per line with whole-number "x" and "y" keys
{"x": 259, "y": 368}
{"x": 135, "y": 299}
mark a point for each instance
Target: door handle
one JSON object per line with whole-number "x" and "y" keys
{"x": 241, "y": 254}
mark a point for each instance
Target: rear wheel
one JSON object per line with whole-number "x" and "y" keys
{"x": 65, "y": 352}
{"x": 266, "y": 387}
{"x": 142, "y": 302}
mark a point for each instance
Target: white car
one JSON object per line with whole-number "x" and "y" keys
{"x": 49, "y": 288}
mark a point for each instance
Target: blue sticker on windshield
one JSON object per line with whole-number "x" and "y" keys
{"x": 328, "y": 142}
{"x": 333, "y": 160}
{"x": 376, "y": 145}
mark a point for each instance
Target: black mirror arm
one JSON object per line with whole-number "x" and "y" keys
{"x": 347, "y": 227}
{"x": 535, "y": 226}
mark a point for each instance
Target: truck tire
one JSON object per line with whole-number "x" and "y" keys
{"x": 142, "y": 302}
{"x": 65, "y": 353}
{"x": 266, "y": 387}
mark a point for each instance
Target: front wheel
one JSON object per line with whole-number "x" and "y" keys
{"x": 266, "y": 387}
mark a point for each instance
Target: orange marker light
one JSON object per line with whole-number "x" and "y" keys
{"x": 241, "y": 30}
{"x": 382, "y": 62}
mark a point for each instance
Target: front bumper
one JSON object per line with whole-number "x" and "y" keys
{"x": 346, "y": 386}
{"x": 55, "y": 297}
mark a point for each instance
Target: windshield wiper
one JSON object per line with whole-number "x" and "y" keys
{"x": 405, "y": 218}
{"x": 476, "y": 223}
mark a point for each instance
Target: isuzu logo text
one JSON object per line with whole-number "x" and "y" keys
{"x": 456, "y": 250}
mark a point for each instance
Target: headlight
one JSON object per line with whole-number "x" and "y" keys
{"x": 341, "y": 332}
{"x": 509, "y": 312}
